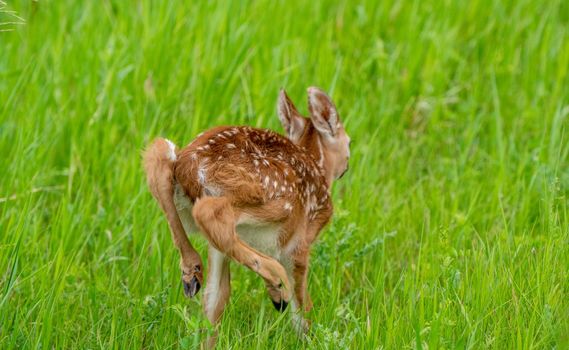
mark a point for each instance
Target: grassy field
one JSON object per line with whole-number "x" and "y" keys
{"x": 451, "y": 229}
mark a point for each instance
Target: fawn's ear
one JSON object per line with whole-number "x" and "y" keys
{"x": 291, "y": 120}
{"x": 323, "y": 112}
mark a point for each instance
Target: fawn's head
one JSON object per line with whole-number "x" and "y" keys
{"x": 323, "y": 134}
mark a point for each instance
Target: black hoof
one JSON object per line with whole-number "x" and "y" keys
{"x": 192, "y": 288}
{"x": 280, "y": 306}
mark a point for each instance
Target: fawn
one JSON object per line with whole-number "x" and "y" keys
{"x": 258, "y": 198}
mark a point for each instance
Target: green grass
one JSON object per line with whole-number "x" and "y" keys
{"x": 451, "y": 229}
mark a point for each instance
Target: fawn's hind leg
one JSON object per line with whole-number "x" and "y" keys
{"x": 158, "y": 165}
{"x": 217, "y": 218}
{"x": 218, "y": 288}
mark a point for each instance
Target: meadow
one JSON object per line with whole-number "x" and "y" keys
{"x": 451, "y": 228}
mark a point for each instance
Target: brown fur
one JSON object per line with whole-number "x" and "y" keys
{"x": 240, "y": 173}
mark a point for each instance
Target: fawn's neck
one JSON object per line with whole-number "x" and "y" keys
{"x": 310, "y": 140}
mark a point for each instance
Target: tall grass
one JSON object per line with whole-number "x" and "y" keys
{"x": 451, "y": 227}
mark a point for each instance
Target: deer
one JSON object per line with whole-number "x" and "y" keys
{"x": 259, "y": 198}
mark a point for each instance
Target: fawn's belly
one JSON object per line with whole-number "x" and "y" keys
{"x": 261, "y": 236}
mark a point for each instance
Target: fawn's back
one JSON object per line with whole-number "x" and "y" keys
{"x": 273, "y": 181}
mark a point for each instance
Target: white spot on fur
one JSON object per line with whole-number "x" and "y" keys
{"x": 171, "y": 150}
{"x": 201, "y": 174}
{"x": 230, "y": 145}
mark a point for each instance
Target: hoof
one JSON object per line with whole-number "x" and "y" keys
{"x": 191, "y": 288}
{"x": 280, "y": 306}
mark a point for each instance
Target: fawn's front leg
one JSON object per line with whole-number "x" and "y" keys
{"x": 301, "y": 303}
{"x": 300, "y": 258}
{"x": 300, "y": 277}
